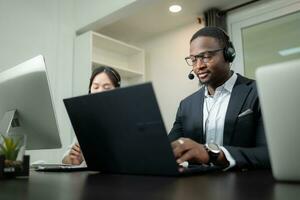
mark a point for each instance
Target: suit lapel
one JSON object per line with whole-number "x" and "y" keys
{"x": 238, "y": 96}
{"x": 198, "y": 116}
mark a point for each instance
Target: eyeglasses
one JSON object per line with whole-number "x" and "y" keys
{"x": 204, "y": 57}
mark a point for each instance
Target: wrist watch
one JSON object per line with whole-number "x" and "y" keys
{"x": 213, "y": 151}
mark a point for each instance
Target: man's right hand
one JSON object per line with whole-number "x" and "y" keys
{"x": 75, "y": 156}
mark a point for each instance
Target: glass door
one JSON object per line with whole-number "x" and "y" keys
{"x": 269, "y": 42}
{"x": 265, "y": 34}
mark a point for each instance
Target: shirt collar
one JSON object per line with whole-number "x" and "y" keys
{"x": 228, "y": 85}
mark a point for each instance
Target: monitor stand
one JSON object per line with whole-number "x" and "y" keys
{"x": 9, "y": 120}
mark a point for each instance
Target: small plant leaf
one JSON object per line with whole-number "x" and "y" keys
{"x": 9, "y": 147}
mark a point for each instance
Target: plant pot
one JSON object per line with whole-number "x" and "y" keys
{"x": 12, "y": 169}
{"x": 12, "y": 149}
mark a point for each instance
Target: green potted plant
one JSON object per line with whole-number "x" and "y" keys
{"x": 9, "y": 148}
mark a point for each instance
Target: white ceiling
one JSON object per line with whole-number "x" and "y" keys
{"x": 147, "y": 18}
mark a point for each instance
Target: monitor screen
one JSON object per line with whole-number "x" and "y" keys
{"x": 26, "y": 105}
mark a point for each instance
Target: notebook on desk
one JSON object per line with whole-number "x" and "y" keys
{"x": 122, "y": 131}
{"x": 279, "y": 95}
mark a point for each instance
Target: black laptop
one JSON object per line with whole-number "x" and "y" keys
{"x": 122, "y": 131}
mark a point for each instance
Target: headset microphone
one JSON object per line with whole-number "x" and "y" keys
{"x": 191, "y": 76}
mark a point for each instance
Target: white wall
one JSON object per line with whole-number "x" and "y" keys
{"x": 33, "y": 27}
{"x": 166, "y": 68}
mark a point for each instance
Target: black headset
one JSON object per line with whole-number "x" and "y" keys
{"x": 114, "y": 73}
{"x": 229, "y": 51}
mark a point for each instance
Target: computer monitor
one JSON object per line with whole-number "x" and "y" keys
{"x": 280, "y": 101}
{"x": 26, "y": 105}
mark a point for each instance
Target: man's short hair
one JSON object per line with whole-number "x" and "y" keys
{"x": 215, "y": 32}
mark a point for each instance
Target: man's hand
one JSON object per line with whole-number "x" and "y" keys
{"x": 186, "y": 149}
{"x": 75, "y": 156}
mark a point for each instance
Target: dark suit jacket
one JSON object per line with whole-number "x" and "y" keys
{"x": 244, "y": 136}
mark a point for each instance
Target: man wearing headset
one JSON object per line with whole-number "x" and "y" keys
{"x": 221, "y": 123}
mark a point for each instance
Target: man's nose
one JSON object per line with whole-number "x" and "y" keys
{"x": 199, "y": 64}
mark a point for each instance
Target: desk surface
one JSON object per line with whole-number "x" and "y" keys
{"x": 91, "y": 185}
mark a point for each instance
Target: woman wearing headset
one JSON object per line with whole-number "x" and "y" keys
{"x": 102, "y": 79}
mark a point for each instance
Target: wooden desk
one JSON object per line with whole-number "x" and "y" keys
{"x": 90, "y": 185}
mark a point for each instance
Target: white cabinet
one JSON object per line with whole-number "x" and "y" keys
{"x": 93, "y": 49}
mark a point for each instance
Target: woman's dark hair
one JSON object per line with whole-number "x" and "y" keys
{"x": 112, "y": 74}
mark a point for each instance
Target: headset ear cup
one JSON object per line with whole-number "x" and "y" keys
{"x": 230, "y": 54}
